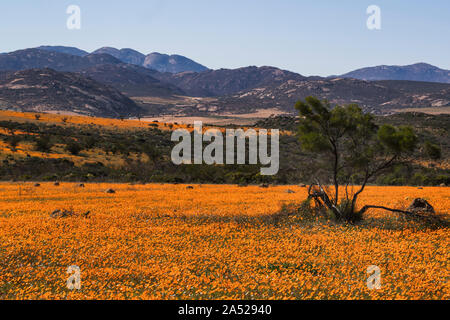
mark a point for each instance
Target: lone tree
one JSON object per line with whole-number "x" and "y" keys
{"x": 350, "y": 149}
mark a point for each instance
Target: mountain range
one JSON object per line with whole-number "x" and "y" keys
{"x": 52, "y": 77}
{"x": 154, "y": 60}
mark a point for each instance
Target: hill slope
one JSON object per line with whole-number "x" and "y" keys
{"x": 376, "y": 97}
{"x": 132, "y": 80}
{"x": 41, "y": 90}
{"x": 228, "y": 81}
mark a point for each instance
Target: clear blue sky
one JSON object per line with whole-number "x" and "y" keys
{"x": 314, "y": 37}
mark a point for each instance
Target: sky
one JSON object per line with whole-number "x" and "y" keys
{"x": 311, "y": 37}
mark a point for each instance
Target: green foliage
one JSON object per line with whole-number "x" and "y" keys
{"x": 74, "y": 147}
{"x": 397, "y": 140}
{"x": 151, "y": 151}
{"x": 89, "y": 142}
{"x": 433, "y": 151}
{"x": 44, "y": 143}
{"x": 13, "y": 141}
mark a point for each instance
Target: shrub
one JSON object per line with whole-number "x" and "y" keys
{"x": 44, "y": 144}
{"x": 13, "y": 142}
{"x": 74, "y": 147}
{"x": 433, "y": 151}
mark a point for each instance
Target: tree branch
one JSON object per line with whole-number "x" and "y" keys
{"x": 365, "y": 208}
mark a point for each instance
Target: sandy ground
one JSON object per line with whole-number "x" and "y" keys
{"x": 220, "y": 119}
{"x": 434, "y": 111}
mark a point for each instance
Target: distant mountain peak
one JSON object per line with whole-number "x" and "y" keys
{"x": 155, "y": 60}
{"x": 415, "y": 72}
{"x": 171, "y": 63}
{"x": 125, "y": 55}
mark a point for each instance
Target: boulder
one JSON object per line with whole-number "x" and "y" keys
{"x": 420, "y": 205}
{"x": 189, "y": 187}
{"x": 61, "y": 214}
{"x": 37, "y": 185}
{"x": 110, "y": 191}
{"x": 67, "y": 213}
{"x": 86, "y": 214}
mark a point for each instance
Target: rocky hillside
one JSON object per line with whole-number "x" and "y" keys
{"x": 132, "y": 80}
{"x": 376, "y": 97}
{"x": 228, "y": 81}
{"x": 41, "y": 90}
{"x": 414, "y": 72}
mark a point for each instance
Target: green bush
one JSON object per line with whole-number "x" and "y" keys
{"x": 44, "y": 144}
{"x": 433, "y": 151}
{"x": 74, "y": 147}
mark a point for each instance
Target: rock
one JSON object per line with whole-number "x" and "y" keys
{"x": 290, "y": 191}
{"x": 420, "y": 205}
{"x": 56, "y": 184}
{"x": 110, "y": 191}
{"x": 81, "y": 185}
{"x": 420, "y": 188}
{"x": 86, "y": 214}
{"x": 443, "y": 185}
{"x": 189, "y": 187}
{"x": 264, "y": 185}
{"x": 61, "y": 214}
{"x": 37, "y": 185}
{"x": 302, "y": 185}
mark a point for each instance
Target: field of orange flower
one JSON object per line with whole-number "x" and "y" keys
{"x": 170, "y": 242}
